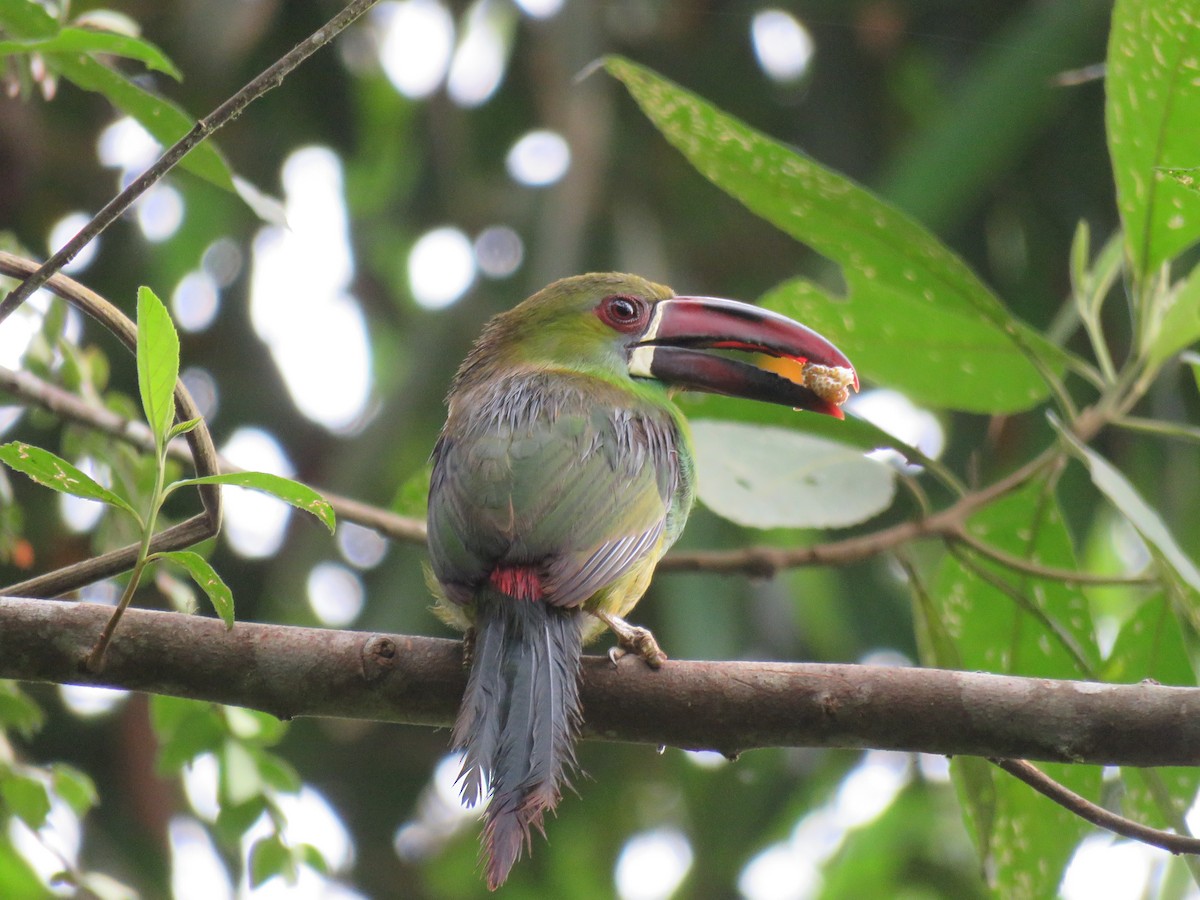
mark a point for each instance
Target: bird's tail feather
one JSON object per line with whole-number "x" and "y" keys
{"x": 519, "y": 719}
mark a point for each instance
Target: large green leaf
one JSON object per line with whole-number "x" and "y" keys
{"x": 776, "y": 478}
{"x": 893, "y": 267}
{"x": 1153, "y": 118}
{"x": 90, "y": 40}
{"x": 1038, "y": 627}
{"x": 157, "y": 363}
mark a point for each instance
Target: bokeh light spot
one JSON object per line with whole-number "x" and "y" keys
{"x": 539, "y": 158}
{"x": 652, "y": 864}
{"x": 417, "y": 41}
{"x": 441, "y": 266}
{"x": 65, "y": 229}
{"x": 255, "y": 523}
{"x": 160, "y": 212}
{"x": 195, "y": 301}
{"x": 783, "y": 46}
{"x": 335, "y": 594}
{"x": 499, "y": 251}
{"x": 362, "y": 547}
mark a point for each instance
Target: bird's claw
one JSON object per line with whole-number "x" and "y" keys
{"x": 632, "y": 639}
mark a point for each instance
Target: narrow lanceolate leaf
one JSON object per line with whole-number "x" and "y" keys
{"x": 776, "y": 478}
{"x": 1031, "y": 627}
{"x": 1152, "y": 110}
{"x": 90, "y": 40}
{"x": 56, "y": 473}
{"x": 1125, "y": 497}
{"x": 157, "y": 363}
{"x": 968, "y": 352}
{"x": 183, "y": 428}
{"x": 207, "y": 580}
{"x": 291, "y": 492}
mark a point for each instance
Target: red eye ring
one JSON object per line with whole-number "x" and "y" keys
{"x": 623, "y": 312}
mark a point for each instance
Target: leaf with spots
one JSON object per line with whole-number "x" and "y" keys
{"x": 206, "y": 579}
{"x": 768, "y": 477}
{"x": 903, "y": 284}
{"x": 301, "y": 496}
{"x": 56, "y": 473}
{"x": 999, "y": 620}
{"x": 1152, "y": 110}
{"x": 157, "y": 363}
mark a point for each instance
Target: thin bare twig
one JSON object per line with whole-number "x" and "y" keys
{"x": 271, "y": 77}
{"x": 1097, "y": 815}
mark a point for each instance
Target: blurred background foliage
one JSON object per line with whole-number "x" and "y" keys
{"x": 437, "y": 163}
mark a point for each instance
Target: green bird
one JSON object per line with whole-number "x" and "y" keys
{"x": 563, "y": 473}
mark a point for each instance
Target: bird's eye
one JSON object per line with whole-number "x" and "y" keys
{"x": 622, "y": 312}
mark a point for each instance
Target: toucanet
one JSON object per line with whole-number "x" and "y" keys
{"x": 563, "y": 473}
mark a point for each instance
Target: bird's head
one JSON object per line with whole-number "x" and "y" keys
{"x": 623, "y": 326}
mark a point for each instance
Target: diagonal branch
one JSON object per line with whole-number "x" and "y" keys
{"x": 726, "y": 706}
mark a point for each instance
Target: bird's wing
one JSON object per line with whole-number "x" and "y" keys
{"x": 581, "y": 490}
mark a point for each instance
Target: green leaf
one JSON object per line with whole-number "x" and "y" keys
{"x": 75, "y": 787}
{"x": 253, "y": 726}
{"x": 973, "y": 355}
{"x": 184, "y": 427}
{"x": 278, "y": 773}
{"x": 1189, "y": 178}
{"x": 56, "y": 473}
{"x": 1038, "y": 628}
{"x": 1151, "y": 644}
{"x": 88, "y": 40}
{"x": 26, "y": 798}
{"x": 206, "y": 578}
{"x": 1180, "y": 323}
{"x": 412, "y": 499}
{"x": 163, "y": 119}
{"x": 239, "y": 780}
{"x": 157, "y": 363}
{"x": 291, "y": 492}
{"x": 185, "y": 729}
{"x": 1153, "y": 117}
{"x": 18, "y": 711}
{"x": 1124, "y": 496}
{"x": 775, "y": 478}
{"x": 270, "y": 857}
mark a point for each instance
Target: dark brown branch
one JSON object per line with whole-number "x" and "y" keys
{"x": 228, "y": 111}
{"x": 726, "y": 706}
{"x": 1097, "y": 815}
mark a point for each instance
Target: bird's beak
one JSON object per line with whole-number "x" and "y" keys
{"x": 800, "y": 369}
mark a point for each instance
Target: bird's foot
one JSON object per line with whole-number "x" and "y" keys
{"x": 632, "y": 639}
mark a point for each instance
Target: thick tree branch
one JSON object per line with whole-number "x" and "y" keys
{"x": 726, "y": 706}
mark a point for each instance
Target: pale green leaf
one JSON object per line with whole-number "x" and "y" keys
{"x": 89, "y": 40}
{"x": 1179, "y": 326}
{"x": 26, "y": 798}
{"x": 775, "y": 478}
{"x": 183, "y": 428}
{"x": 75, "y": 787}
{"x": 269, "y": 857}
{"x": 56, "y": 473}
{"x": 894, "y": 269}
{"x": 1124, "y": 496}
{"x": 1152, "y": 110}
{"x": 206, "y": 578}
{"x": 300, "y": 496}
{"x": 157, "y": 363}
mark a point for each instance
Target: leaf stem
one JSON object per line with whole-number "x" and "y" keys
{"x": 95, "y": 658}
